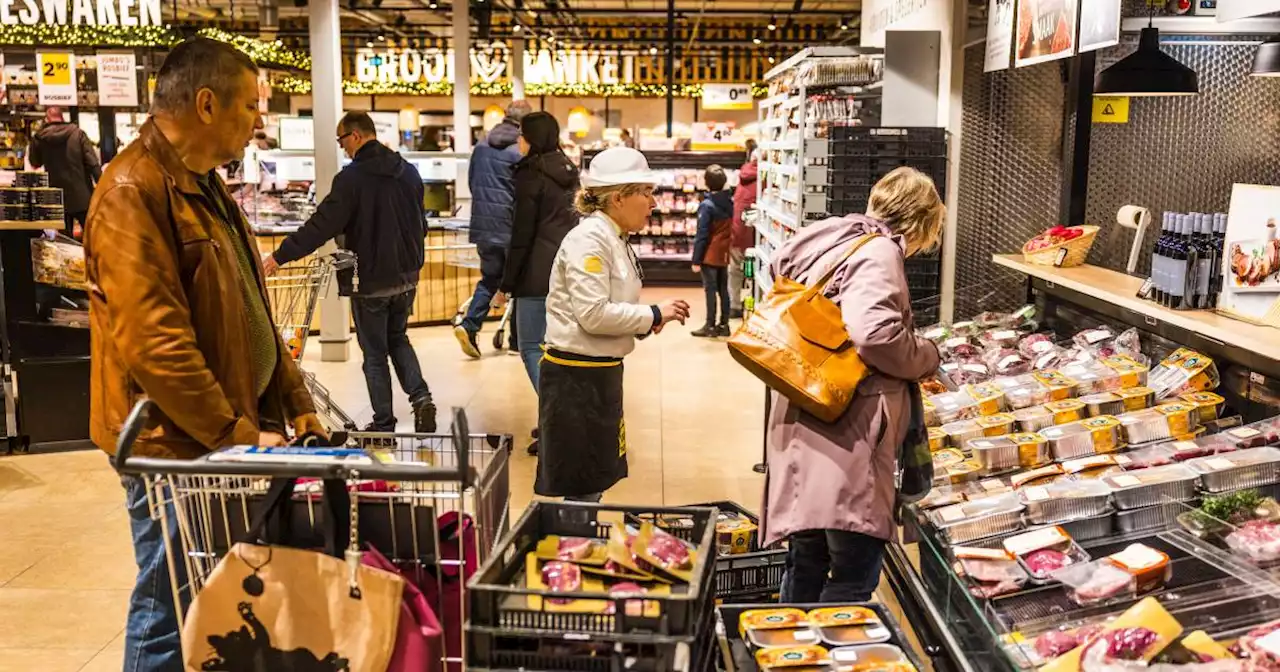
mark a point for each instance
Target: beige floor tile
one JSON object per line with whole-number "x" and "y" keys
{"x": 46, "y": 660}
{"x": 107, "y": 660}
{"x": 62, "y": 619}
{"x": 79, "y": 564}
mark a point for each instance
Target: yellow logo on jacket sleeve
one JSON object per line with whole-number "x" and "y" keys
{"x": 593, "y": 264}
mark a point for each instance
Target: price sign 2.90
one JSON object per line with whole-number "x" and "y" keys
{"x": 55, "y": 69}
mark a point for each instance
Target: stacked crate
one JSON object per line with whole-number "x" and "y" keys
{"x": 859, "y": 157}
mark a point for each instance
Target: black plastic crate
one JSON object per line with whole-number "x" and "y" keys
{"x": 887, "y": 147}
{"x": 738, "y": 655}
{"x": 848, "y": 206}
{"x": 843, "y": 191}
{"x": 496, "y": 602}
{"x": 907, "y": 134}
{"x": 752, "y": 576}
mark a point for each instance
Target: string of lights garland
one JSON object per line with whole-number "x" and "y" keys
{"x": 298, "y": 85}
{"x": 89, "y": 36}
{"x": 263, "y": 53}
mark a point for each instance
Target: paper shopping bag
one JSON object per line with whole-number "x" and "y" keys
{"x": 277, "y": 609}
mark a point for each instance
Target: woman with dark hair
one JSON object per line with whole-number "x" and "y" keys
{"x": 545, "y": 184}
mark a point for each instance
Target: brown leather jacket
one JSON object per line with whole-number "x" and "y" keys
{"x": 167, "y": 315}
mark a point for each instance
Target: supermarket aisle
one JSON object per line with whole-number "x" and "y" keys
{"x": 694, "y": 422}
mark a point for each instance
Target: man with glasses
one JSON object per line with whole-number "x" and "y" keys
{"x": 376, "y": 206}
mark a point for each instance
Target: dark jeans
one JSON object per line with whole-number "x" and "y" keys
{"x": 151, "y": 639}
{"x": 831, "y": 566}
{"x": 715, "y": 281}
{"x": 492, "y": 260}
{"x": 531, "y": 325}
{"x": 382, "y": 331}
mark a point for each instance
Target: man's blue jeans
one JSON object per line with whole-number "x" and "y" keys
{"x": 831, "y": 566}
{"x": 382, "y": 330}
{"x": 151, "y": 639}
{"x": 531, "y": 329}
{"x": 492, "y": 260}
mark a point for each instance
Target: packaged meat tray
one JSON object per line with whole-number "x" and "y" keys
{"x": 1145, "y": 458}
{"x": 1240, "y": 469}
{"x": 999, "y": 339}
{"x": 937, "y": 333}
{"x": 771, "y": 628}
{"x": 1065, "y": 500}
{"x": 988, "y": 396}
{"x": 1255, "y": 435}
{"x": 994, "y": 455}
{"x": 1021, "y": 391}
{"x": 1094, "y": 582}
{"x": 1093, "y": 377}
{"x": 964, "y": 472}
{"x": 1066, "y": 410}
{"x": 937, "y": 439}
{"x": 1148, "y": 518}
{"x": 1033, "y": 449}
{"x": 1183, "y": 371}
{"x": 991, "y": 571}
{"x": 1059, "y": 385}
{"x": 965, "y": 328}
{"x": 1033, "y": 419}
{"x": 1034, "y": 345}
{"x": 1257, "y": 540}
{"x": 954, "y": 406}
{"x": 1090, "y": 468}
{"x": 1090, "y": 529}
{"x": 1204, "y": 446}
{"x": 966, "y": 372}
{"x": 1157, "y": 485}
{"x": 946, "y": 495}
{"x": 1145, "y": 426}
{"x": 871, "y": 658}
{"x": 1103, "y": 403}
{"x": 955, "y": 347}
{"x": 960, "y": 523}
{"x": 961, "y": 431}
{"x": 995, "y": 425}
{"x": 1132, "y": 372}
{"x": 1094, "y": 338}
{"x": 1136, "y": 398}
{"x": 946, "y": 458}
{"x": 849, "y": 626}
{"x": 930, "y": 413}
{"x": 1208, "y": 404}
{"x": 1083, "y": 438}
{"x": 803, "y": 658}
{"x": 1045, "y": 551}
{"x": 1149, "y": 568}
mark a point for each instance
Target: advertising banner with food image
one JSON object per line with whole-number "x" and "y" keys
{"x": 1099, "y": 24}
{"x": 1251, "y": 259}
{"x": 1046, "y": 30}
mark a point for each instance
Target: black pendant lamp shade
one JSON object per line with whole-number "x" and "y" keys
{"x": 1147, "y": 72}
{"x": 1266, "y": 63}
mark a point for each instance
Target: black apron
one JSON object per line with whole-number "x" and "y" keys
{"x": 582, "y": 437}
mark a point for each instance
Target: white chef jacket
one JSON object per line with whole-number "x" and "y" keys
{"x": 593, "y": 303}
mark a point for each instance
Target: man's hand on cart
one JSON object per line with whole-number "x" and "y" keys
{"x": 271, "y": 439}
{"x": 499, "y": 299}
{"x": 269, "y": 265}
{"x": 309, "y": 424}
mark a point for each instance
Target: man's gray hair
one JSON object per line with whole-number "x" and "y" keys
{"x": 198, "y": 63}
{"x": 517, "y": 109}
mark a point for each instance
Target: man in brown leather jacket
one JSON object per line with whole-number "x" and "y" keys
{"x": 178, "y": 308}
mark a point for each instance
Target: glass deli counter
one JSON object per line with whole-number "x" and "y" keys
{"x": 1038, "y": 542}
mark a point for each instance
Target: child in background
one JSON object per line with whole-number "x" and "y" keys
{"x": 711, "y": 250}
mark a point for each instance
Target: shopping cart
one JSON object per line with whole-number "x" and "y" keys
{"x": 461, "y": 254}
{"x": 426, "y": 479}
{"x": 295, "y": 289}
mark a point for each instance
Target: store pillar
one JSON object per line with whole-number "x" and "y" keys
{"x": 461, "y": 77}
{"x": 517, "y": 69}
{"x": 326, "y": 102}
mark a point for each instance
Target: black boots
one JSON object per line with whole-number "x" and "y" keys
{"x": 424, "y": 416}
{"x": 711, "y": 330}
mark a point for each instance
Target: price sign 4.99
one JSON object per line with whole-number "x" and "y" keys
{"x": 56, "y": 79}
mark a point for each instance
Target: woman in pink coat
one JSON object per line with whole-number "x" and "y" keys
{"x": 830, "y": 486}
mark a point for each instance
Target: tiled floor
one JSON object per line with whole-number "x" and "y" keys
{"x": 694, "y": 422}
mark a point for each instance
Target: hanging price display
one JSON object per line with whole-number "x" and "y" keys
{"x": 716, "y": 136}
{"x": 727, "y": 97}
{"x": 117, "y": 79}
{"x": 56, "y": 79}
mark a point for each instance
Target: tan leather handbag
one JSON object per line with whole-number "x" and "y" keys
{"x": 796, "y": 342}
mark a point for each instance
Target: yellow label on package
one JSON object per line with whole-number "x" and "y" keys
{"x": 989, "y": 397}
{"x": 1132, "y": 372}
{"x": 1060, "y": 386}
{"x": 1178, "y": 416}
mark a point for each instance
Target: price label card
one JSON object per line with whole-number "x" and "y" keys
{"x": 1036, "y": 494}
{"x": 1126, "y": 481}
{"x": 55, "y": 69}
{"x": 1244, "y": 432}
{"x": 56, "y": 77}
{"x": 1219, "y": 463}
{"x": 1185, "y": 445}
{"x": 992, "y": 484}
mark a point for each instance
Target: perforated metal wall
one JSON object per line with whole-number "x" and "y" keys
{"x": 1010, "y": 176}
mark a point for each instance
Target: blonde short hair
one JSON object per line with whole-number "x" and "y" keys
{"x": 907, "y": 200}
{"x": 594, "y": 199}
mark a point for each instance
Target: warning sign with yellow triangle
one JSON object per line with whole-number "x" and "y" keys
{"x": 1110, "y": 109}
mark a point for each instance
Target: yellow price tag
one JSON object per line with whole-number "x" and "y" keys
{"x": 55, "y": 69}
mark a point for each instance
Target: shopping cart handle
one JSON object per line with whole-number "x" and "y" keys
{"x": 130, "y": 430}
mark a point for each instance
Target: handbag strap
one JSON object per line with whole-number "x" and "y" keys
{"x": 821, "y": 284}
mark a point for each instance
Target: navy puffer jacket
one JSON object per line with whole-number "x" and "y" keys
{"x": 493, "y": 185}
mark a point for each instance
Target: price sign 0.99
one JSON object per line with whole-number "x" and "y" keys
{"x": 727, "y": 97}
{"x": 56, "y": 79}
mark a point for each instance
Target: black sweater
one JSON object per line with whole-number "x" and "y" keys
{"x": 545, "y": 185}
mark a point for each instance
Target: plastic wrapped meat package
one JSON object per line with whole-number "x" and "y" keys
{"x": 1186, "y": 450}
{"x": 1033, "y": 419}
{"x": 1043, "y": 476}
{"x": 1089, "y": 583}
{"x": 1132, "y": 372}
{"x": 937, "y": 333}
{"x": 959, "y": 348}
{"x": 1060, "y": 386}
{"x": 1208, "y": 404}
{"x": 1051, "y": 359}
{"x": 1065, "y": 500}
{"x": 947, "y": 495}
{"x": 871, "y": 658}
{"x": 1254, "y": 435}
{"x": 965, "y": 328}
{"x": 995, "y": 425}
{"x": 1093, "y": 377}
{"x": 1083, "y": 438}
{"x": 977, "y": 519}
{"x": 1066, "y": 410}
{"x": 960, "y": 431}
{"x": 1149, "y": 568}
{"x": 1020, "y": 391}
{"x": 1033, "y": 345}
{"x": 1156, "y": 485}
{"x": 998, "y": 339}
{"x": 991, "y": 572}
{"x": 989, "y": 397}
{"x": 1094, "y": 338}
{"x": 1145, "y": 458}
{"x": 954, "y": 406}
{"x": 783, "y": 626}
{"x": 1153, "y": 424}
{"x": 945, "y": 459}
{"x": 1090, "y": 468}
{"x": 1033, "y": 449}
{"x": 1103, "y": 403}
{"x": 849, "y": 625}
{"x": 1240, "y": 469}
{"x": 937, "y": 439}
{"x": 1045, "y": 551}
{"x": 1055, "y": 643}
{"x": 1137, "y": 397}
{"x": 1006, "y": 361}
{"x": 1183, "y": 371}
{"x": 968, "y": 372}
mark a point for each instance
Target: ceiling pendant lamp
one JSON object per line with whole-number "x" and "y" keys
{"x": 1147, "y": 72}
{"x": 1266, "y": 63}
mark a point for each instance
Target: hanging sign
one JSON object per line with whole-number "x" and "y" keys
{"x": 1099, "y": 24}
{"x": 1111, "y": 109}
{"x": 1046, "y": 30}
{"x": 999, "y": 35}
{"x": 727, "y": 97}
{"x": 297, "y": 133}
{"x": 386, "y": 127}
{"x": 124, "y": 13}
{"x": 540, "y": 67}
{"x": 713, "y": 136}
{"x": 117, "y": 79}
{"x": 1230, "y": 10}
{"x": 879, "y": 16}
{"x": 56, "y": 77}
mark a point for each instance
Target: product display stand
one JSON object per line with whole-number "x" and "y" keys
{"x": 665, "y": 248}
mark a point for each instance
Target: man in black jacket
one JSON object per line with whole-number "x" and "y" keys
{"x": 62, "y": 149}
{"x": 376, "y": 206}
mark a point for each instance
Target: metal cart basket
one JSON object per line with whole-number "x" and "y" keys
{"x": 399, "y": 501}
{"x": 293, "y": 292}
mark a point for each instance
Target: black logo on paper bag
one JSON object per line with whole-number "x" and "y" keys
{"x": 249, "y": 650}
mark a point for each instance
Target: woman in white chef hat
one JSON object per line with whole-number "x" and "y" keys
{"x": 594, "y": 316}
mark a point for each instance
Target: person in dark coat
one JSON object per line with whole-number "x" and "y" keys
{"x": 489, "y": 176}
{"x": 711, "y": 250}
{"x": 65, "y": 151}
{"x": 375, "y": 204}
{"x": 546, "y": 182}
{"x": 744, "y": 196}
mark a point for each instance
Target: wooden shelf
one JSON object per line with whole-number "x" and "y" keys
{"x": 1121, "y": 289}
{"x": 11, "y": 225}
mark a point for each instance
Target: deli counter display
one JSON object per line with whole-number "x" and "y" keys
{"x": 1103, "y": 493}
